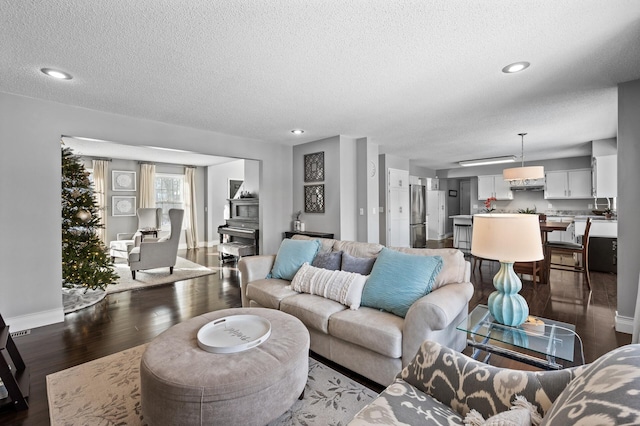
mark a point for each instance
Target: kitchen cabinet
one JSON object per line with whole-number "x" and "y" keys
{"x": 564, "y": 184}
{"x": 605, "y": 176}
{"x": 494, "y": 186}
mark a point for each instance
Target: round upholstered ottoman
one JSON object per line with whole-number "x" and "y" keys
{"x": 182, "y": 384}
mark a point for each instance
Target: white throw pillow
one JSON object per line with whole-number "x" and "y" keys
{"x": 341, "y": 286}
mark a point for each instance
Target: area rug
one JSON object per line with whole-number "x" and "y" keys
{"x": 106, "y": 391}
{"x": 76, "y": 298}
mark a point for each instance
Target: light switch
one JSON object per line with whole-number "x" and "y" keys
{"x": 361, "y": 212}
{"x": 374, "y": 210}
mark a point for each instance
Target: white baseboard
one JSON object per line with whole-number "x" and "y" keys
{"x": 624, "y": 324}
{"x": 38, "y": 319}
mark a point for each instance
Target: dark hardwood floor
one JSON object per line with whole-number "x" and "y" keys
{"x": 124, "y": 320}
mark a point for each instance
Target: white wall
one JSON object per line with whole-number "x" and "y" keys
{"x": 387, "y": 162}
{"x": 628, "y": 202}
{"x": 367, "y": 194}
{"x": 30, "y": 249}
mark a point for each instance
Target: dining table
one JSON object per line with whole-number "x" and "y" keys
{"x": 545, "y": 228}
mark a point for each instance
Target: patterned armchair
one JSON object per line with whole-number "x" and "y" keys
{"x": 442, "y": 386}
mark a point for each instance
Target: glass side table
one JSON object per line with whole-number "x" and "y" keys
{"x": 525, "y": 343}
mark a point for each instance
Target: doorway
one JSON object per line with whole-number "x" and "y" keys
{"x": 465, "y": 197}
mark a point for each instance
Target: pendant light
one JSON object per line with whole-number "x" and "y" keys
{"x": 523, "y": 175}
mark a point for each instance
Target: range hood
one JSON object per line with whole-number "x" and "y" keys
{"x": 529, "y": 187}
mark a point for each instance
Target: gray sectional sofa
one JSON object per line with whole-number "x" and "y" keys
{"x": 371, "y": 342}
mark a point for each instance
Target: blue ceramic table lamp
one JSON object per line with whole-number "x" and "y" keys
{"x": 507, "y": 238}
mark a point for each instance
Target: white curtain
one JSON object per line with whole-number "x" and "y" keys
{"x": 147, "y": 185}
{"x": 100, "y": 171}
{"x": 635, "y": 337}
{"x": 191, "y": 220}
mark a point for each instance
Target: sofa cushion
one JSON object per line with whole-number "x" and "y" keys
{"x": 402, "y": 404}
{"x": 340, "y": 286}
{"x": 359, "y": 265}
{"x": 291, "y": 255}
{"x": 358, "y": 249}
{"x": 453, "y": 264}
{"x": 326, "y": 244}
{"x": 331, "y": 260}
{"x": 314, "y": 311}
{"x": 605, "y": 393}
{"x": 269, "y": 292}
{"x": 370, "y": 328}
{"x": 398, "y": 279}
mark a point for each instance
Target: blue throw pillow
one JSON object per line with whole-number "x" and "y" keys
{"x": 399, "y": 279}
{"x": 292, "y": 254}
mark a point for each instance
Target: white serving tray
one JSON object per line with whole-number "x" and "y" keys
{"x": 235, "y": 333}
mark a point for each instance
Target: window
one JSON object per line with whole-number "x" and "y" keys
{"x": 169, "y": 194}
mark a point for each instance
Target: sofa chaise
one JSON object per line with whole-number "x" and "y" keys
{"x": 371, "y": 342}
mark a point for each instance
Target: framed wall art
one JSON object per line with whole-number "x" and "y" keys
{"x": 314, "y": 198}
{"x": 314, "y": 167}
{"x": 123, "y": 205}
{"x": 123, "y": 180}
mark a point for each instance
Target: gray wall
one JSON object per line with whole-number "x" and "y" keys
{"x": 31, "y": 131}
{"x": 628, "y": 201}
{"x": 218, "y": 188}
{"x": 330, "y": 220}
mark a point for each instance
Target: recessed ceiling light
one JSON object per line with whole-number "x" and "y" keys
{"x": 56, "y": 74}
{"x": 515, "y": 67}
{"x": 297, "y": 131}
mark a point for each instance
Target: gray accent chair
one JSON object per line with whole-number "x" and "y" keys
{"x": 152, "y": 253}
{"x": 126, "y": 241}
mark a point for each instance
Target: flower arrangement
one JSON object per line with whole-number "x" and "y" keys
{"x": 488, "y": 207}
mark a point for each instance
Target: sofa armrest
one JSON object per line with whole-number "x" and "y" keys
{"x": 462, "y": 383}
{"x": 434, "y": 312}
{"x": 253, "y": 268}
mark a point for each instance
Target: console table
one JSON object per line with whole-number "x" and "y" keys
{"x": 552, "y": 340}
{"x": 289, "y": 234}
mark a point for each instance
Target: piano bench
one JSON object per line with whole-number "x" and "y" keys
{"x": 236, "y": 250}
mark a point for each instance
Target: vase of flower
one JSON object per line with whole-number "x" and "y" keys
{"x": 488, "y": 204}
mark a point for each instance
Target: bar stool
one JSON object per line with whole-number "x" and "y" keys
{"x": 464, "y": 230}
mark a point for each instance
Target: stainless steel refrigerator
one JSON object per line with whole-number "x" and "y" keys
{"x": 417, "y": 222}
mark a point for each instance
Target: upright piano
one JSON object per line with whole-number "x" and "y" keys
{"x": 239, "y": 236}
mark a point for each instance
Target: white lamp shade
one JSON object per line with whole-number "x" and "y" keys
{"x": 507, "y": 237}
{"x": 523, "y": 173}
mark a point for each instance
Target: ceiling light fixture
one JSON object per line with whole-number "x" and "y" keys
{"x": 520, "y": 176}
{"x": 515, "y": 67}
{"x": 60, "y": 75}
{"x": 297, "y": 132}
{"x": 485, "y": 161}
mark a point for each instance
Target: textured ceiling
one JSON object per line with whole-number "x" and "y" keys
{"x": 422, "y": 79}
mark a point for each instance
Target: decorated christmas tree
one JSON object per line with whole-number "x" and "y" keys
{"x": 85, "y": 261}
